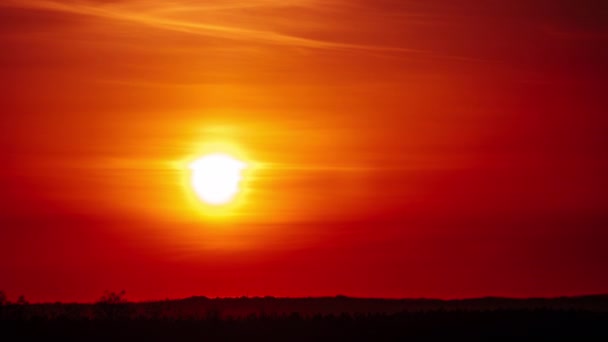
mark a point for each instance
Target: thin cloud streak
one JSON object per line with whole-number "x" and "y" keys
{"x": 140, "y": 13}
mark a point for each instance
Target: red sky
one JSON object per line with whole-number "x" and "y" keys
{"x": 403, "y": 148}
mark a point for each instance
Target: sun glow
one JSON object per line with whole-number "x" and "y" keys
{"x": 216, "y": 178}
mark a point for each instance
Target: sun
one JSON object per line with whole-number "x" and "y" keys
{"x": 215, "y": 178}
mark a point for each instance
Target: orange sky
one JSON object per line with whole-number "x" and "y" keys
{"x": 399, "y": 146}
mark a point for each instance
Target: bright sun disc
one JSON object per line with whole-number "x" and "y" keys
{"x": 215, "y": 178}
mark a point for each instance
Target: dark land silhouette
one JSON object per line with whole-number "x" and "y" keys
{"x": 322, "y": 318}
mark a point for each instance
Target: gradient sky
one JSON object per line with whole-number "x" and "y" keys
{"x": 402, "y": 148}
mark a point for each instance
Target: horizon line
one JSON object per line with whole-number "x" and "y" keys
{"x": 337, "y": 296}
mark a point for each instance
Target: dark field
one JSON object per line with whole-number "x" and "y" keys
{"x": 331, "y": 318}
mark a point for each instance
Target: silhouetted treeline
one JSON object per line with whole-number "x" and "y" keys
{"x": 295, "y": 327}
{"x": 340, "y": 318}
{"x": 114, "y": 305}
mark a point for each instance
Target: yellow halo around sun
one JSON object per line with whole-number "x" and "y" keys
{"x": 216, "y": 178}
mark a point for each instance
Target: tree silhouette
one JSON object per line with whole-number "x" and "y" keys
{"x": 3, "y": 300}
{"x": 22, "y": 301}
{"x": 113, "y": 305}
{"x": 113, "y": 298}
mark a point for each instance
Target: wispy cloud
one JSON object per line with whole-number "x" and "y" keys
{"x": 201, "y": 18}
